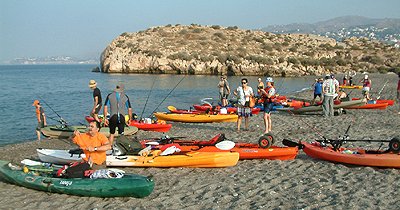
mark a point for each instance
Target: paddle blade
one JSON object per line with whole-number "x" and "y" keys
{"x": 289, "y": 143}
{"x": 171, "y": 108}
{"x": 225, "y": 145}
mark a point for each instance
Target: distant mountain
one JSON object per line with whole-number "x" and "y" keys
{"x": 387, "y": 30}
{"x": 52, "y": 60}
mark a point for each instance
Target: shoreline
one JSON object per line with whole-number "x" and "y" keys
{"x": 302, "y": 183}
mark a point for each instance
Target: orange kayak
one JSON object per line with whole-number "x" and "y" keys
{"x": 186, "y": 159}
{"x": 151, "y": 126}
{"x": 380, "y": 101}
{"x": 206, "y": 107}
{"x": 352, "y": 155}
{"x": 245, "y": 150}
{"x": 369, "y": 106}
{"x": 196, "y": 118}
{"x": 350, "y": 87}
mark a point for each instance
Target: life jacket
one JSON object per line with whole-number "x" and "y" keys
{"x": 266, "y": 98}
{"x": 366, "y": 83}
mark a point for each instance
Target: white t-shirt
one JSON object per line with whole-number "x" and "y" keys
{"x": 244, "y": 96}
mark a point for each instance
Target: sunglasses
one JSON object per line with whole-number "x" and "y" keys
{"x": 244, "y": 82}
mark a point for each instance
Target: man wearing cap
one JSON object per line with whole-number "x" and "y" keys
{"x": 330, "y": 88}
{"x": 117, "y": 101}
{"x": 41, "y": 117}
{"x": 96, "y": 100}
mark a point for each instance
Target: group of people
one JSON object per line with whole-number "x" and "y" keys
{"x": 245, "y": 94}
{"x": 93, "y": 143}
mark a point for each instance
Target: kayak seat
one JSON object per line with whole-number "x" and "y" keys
{"x": 77, "y": 151}
{"x": 218, "y": 138}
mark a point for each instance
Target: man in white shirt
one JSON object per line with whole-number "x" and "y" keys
{"x": 330, "y": 88}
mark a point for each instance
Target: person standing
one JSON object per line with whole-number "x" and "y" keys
{"x": 96, "y": 100}
{"x": 117, "y": 101}
{"x": 268, "y": 94}
{"x": 41, "y": 118}
{"x": 94, "y": 144}
{"x": 243, "y": 94}
{"x": 260, "y": 86}
{"x": 330, "y": 88}
{"x": 224, "y": 90}
{"x": 398, "y": 92}
{"x": 366, "y": 83}
{"x": 317, "y": 86}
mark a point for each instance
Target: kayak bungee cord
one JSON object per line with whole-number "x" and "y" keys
{"x": 145, "y": 104}
{"x": 168, "y": 94}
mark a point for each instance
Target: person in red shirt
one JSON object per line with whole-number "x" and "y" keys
{"x": 94, "y": 144}
{"x": 41, "y": 117}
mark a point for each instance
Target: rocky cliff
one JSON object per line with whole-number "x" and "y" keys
{"x": 213, "y": 50}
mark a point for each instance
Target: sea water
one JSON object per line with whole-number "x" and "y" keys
{"x": 63, "y": 91}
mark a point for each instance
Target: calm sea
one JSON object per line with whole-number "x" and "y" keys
{"x": 65, "y": 89}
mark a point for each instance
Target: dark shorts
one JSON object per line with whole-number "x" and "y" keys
{"x": 115, "y": 122}
{"x": 315, "y": 95}
{"x": 268, "y": 107}
{"x": 223, "y": 95}
{"x": 39, "y": 126}
{"x": 98, "y": 108}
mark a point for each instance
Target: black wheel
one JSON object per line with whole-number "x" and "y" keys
{"x": 394, "y": 145}
{"x": 266, "y": 141}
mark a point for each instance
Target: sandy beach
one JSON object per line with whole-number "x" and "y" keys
{"x": 303, "y": 183}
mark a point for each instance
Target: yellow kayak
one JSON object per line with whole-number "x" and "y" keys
{"x": 351, "y": 87}
{"x": 188, "y": 159}
{"x": 196, "y": 118}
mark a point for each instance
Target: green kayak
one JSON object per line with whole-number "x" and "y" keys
{"x": 58, "y": 131}
{"x": 130, "y": 185}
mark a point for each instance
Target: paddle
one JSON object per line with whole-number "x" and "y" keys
{"x": 171, "y": 108}
{"x": 225, "y": 145}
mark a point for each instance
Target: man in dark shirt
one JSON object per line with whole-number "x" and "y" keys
{"x": 116, "y": 102}
{"x": 96, "y": 100}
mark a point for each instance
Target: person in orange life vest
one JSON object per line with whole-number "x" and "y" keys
{"x": 268, "y": 94}
{"x": 94, "y": 144}
{"x": 41, "y": 118}
{"x": 366, "y": 86}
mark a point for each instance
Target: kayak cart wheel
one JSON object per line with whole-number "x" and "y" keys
{"x": 266, "y": 141}
{"x": 394, "y": 145}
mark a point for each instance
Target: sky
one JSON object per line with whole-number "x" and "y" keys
{"x": 83, "y": 28}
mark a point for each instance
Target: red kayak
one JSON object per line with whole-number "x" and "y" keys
{"x": 353, "y": 156}
{"x": 245, "y": 150}
{"x": 380, "y": 101}
{"x": 158, "y": 127}
{"x": 207, "y": 107}
{"x": 369, "y": 106}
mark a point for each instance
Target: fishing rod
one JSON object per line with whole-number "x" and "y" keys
{"x": 168, "y": 94}
{"x": 62, "y": 121}
{"x": 145, "y": 104}
{"x": 379, "y": 93}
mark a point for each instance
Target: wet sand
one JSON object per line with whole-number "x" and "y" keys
{"x": 303, "y": 183}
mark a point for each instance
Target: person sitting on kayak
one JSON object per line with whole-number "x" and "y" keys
{"x": 40, "y": 116}
{"x": 94, "y": 144}
{"x": 366, "y": 86}
{"x": 268, "y": 94}
{"x": 116, "y": 101}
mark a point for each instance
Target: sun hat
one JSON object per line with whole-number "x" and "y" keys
{"x": 269, "y": 79}
{"x": 36, "y": 102}
{"x": 92, "y": 83}
{"x": 366, "y": 76}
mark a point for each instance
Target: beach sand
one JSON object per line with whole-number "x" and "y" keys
{"x": 302, "y": 183}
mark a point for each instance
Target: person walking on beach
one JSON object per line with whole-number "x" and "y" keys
{"x": 224, "y": 90}
{"x": 366, "y": 83}
{"x": 94, "y": 144}
{"x": 268, "y": 94}
{"x": 260, "y": 86}
{"x": 330, "y": 88}
{"x": 96, "y": 100}
{"x": 317, "y": 86}
{"x": 243, "y": 94}
{"x": 41, "y": 118}
{"x": 117, "y": 101}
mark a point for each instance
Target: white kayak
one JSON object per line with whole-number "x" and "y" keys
{"x": 317, "y": 108}
{"x": 58, "y": 156}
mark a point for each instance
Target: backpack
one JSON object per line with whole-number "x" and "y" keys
{"x": 125, "y": 146}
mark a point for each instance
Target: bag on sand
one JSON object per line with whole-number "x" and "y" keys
{"x": 126, "y": 146}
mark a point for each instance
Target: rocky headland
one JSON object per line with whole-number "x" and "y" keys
{"x": 214, "y": 50}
